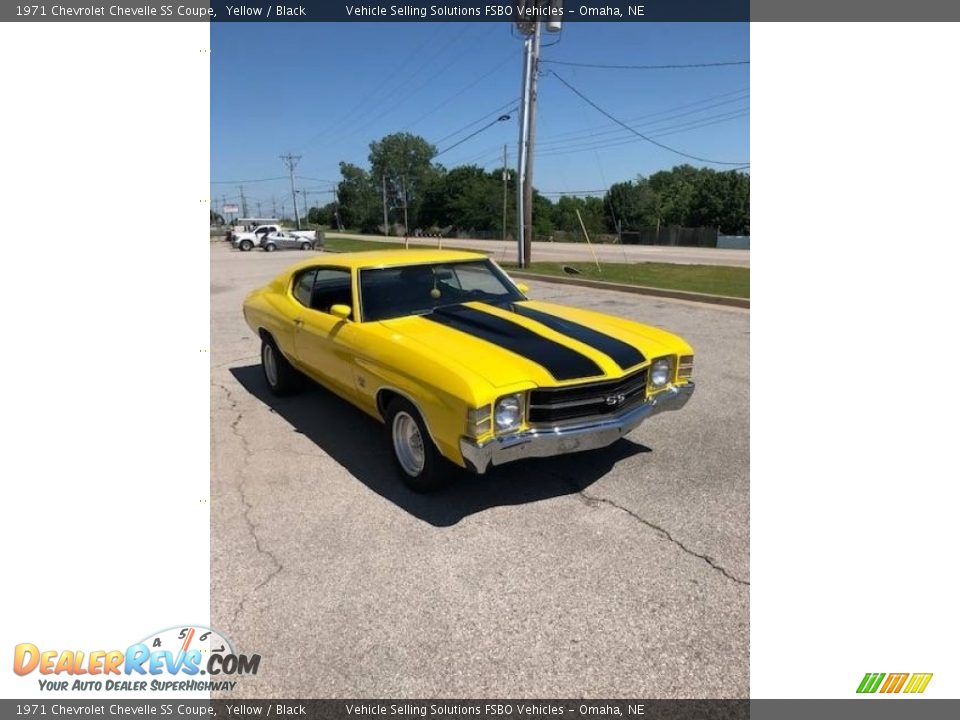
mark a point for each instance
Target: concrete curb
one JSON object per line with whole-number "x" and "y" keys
{"x": 637, "y": 289}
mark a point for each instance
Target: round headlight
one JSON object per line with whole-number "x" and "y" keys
{"x": 660, "y": 372}
{"x": 508, "y": 412}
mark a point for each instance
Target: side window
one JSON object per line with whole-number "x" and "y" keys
{"x": 303, "y": 287}
{"x": 332, "y": 287}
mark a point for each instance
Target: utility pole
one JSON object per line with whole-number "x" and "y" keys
{"x": 291, "y": 162}
{"x": 386, "y": 226}
{"x": 243, "y": 202}
{"x": 336, "y": 209}
{"x": 531, "y": 27}
{"x": 259, "y": 211}
{"x": 521, "y": 150}
{"x": 223, "y": 206}
{"x": 528, "y": 117}
{"x": 503, "y": 233}
{"x": 531, "y": 123}
{"x": 403, "y": 186}
{"x": 273, "y": 202}
{"x": 306, "y": 205}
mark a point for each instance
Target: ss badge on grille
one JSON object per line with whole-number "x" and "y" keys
{"x": 615, "y": 399}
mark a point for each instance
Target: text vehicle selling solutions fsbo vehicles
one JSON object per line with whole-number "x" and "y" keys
{"x": 463, "y": 368}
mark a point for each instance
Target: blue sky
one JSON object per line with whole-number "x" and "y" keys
{"x": 326, "y": 90}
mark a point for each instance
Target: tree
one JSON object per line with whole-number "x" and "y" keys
{"x": 465, "y": 198}
{"x": 542, "y": 216}
{"x": 403, "y": 162}
{"x": 359, "y": 200}
{"x": 590, "y": 208}
{"x": 684, "y": 195}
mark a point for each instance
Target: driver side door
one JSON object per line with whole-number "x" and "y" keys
{"x": 323, "y": 342}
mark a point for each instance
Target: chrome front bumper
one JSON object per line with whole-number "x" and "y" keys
{"x": 546, "y": 442}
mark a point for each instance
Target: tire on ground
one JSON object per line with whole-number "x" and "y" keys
{"x": 423, "y": 471}
{"x": 281, "y": 377}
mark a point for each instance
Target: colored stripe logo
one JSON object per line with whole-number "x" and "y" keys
{"x": 624, "y": 355}
{"x": 892, "y": 683}
{"x": 562, "y": 362}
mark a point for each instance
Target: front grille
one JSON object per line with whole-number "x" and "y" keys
{"x": 553, "y": 405}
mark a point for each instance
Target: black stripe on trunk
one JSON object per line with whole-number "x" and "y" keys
{"x": 624, "y": 355}
{"x": 560, "y": 361}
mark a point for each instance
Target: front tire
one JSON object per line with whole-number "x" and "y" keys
{"x": 306, "y": 246}
{"x": 281, "y": 377}
{"x": 269, "y": 247}
{"x": 246, "y": 245}
{"x": 421, "y": 465}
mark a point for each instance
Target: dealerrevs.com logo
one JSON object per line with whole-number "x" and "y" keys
{"x": 911, "y": 683}
{"x": 182, "y": 659}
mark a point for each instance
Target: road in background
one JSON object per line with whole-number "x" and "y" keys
{"x": 581, "y": 252}
{"x": 622, "y": 572}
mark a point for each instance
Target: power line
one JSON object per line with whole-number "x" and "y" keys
{"x": 490, "y": 124}
{"x": 684, "y": 106}
{"x": 573, "y": 136}
{"x": 237, "y": 182}
{"x": 357, "y": 124}
{"x": 585, "y": 144}
{"x": 498, "y": 111}
{"x": 638, "y": 133}
{"x": 340, "y": 124}
{"x": 461, "y": 91}
{"x": 647, "y": 67}
{"x": 575, "y": 147}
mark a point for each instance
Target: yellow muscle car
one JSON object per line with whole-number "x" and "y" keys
{"x": 446, "y": 350}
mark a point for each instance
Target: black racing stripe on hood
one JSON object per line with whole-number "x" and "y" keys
{"x": 623, "y": 354}
{"x": 561, "y": 362}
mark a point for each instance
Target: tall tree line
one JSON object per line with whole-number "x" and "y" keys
{"x": 403, "y": 172}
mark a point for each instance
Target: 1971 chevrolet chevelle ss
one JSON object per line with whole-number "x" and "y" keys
{"x": 447, "y": 351}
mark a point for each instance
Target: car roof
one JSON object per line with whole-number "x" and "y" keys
{"x": 384, "y": 258}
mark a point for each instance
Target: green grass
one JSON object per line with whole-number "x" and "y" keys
{"x": 711, "y": 279}
{"x": 346, "y": 244}
{"x": 349, "y": 244}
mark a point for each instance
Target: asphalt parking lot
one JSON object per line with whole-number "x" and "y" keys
{"x": 618, "y": 573}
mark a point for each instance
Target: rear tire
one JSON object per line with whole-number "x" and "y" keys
{"x": 306, "y": 246}
{"x": 421, "y": 465}
{"x": 281, "y": 377}
{"x": 246, "y": 245}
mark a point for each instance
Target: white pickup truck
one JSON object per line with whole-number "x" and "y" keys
{"x": 304, "y": 239}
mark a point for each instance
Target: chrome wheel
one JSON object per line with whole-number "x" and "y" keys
{"x": 408, "y": 443}
{"x": 270, "y": 365}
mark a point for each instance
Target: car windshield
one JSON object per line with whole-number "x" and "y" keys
{"x": 394, "y": 292}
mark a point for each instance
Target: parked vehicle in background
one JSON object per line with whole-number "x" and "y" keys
{"x": 247, "y": 241}
{"x": 248, "y": 225}
{"x": 281, "y": 240}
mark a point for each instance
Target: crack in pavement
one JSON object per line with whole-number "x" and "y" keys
{"x": 247, "y": 505}
{"x": 594, "y": 500}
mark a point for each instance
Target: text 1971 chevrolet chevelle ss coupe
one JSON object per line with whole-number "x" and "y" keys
{"x": 446, "y": 350}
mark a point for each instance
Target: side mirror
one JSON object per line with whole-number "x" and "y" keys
{"x": 523, "y": 287}
{"x": 341, "y": 311}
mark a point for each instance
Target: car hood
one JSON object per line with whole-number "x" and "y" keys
{"x": 532, "y": 342}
